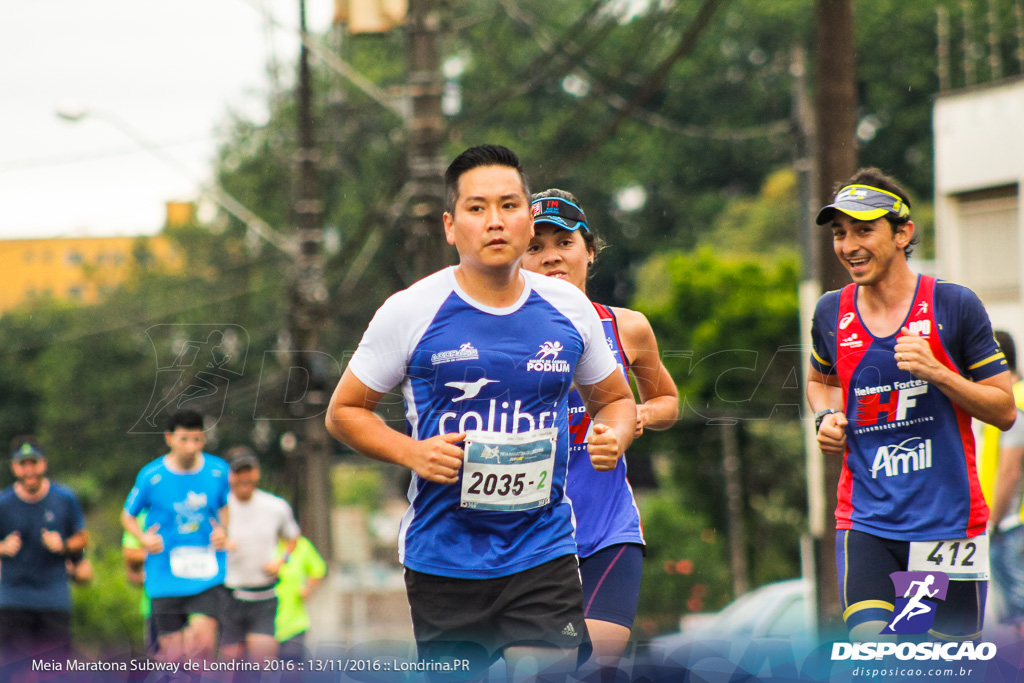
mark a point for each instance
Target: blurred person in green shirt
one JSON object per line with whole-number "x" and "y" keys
{"x": 135, "y": 567}
{"x": 301, "y": 572}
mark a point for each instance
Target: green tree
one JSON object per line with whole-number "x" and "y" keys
{"x": 727, "y": 328}
{"x": 106, "y": 621}
{"x": 685, "y": 570}
{"x": 766, "y": 223}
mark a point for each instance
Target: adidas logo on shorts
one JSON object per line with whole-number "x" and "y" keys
{"x": 569, "y": 630}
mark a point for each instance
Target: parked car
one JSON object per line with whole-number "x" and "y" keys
{"x": 780, "y": 610}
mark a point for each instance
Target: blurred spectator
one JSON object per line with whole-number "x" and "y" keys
{"x": 135, "y": 568}
{"x": 41, "y": 526}
{"x": 999, "y": 467}
{"x": 79, "y": 568}
{"x": 258, "y": 521}
{"x": 302, "y": 570}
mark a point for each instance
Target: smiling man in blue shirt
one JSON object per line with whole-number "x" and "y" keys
{"x": 41, "y": 525}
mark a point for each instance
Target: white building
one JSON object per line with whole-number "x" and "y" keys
{"x": 979, "y": 171}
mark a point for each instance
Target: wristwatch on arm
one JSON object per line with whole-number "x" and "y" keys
{"x": 820, "y": 415}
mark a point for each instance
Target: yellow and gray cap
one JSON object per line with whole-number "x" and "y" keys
{"x": 865, "y": 203}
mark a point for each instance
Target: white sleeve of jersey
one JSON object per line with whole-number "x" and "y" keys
{"x": 597, "y": 361}
{"x": 382, "y": 357}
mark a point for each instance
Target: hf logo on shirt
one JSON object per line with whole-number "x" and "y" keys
{"x": 887, "y": 402}
{"x": 917, "y": 596}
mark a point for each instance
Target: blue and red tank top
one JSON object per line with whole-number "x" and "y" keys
{"x": 603, "y": 505}
{"x": 909, "y": 470}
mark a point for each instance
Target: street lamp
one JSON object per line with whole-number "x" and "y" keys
{"x": 222, "y": 198}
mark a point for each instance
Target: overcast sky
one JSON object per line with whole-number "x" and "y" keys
{"x": 168, "y": 72}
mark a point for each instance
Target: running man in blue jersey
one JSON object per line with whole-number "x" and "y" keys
{"x": 185, "y": 494}
{"x": 900, "y": 365}
{"x": 486, "y": 355}
{"x": 608, "y": 529}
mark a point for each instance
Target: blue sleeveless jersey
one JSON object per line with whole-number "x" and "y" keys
{"x": 909, "y": 469}
{"x": 465, "y": 366}
{"x": 603, "y": 502}
{"x": 183, "y": 505}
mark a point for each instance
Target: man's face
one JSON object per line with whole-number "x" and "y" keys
{"x": 868, "y": 248}
{"x": 30, "y": 473}
{"x": 492, "y": 223}
{"x": 185, "y": 445}
{"x": 244, "y": 482}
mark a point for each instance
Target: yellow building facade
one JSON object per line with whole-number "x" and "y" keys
{"x": 76, "y": 269}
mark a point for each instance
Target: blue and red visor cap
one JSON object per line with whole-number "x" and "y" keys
{"x": 560, "y": 212}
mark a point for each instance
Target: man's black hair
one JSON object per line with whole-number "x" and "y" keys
{"x": 475, "y": 157}
{"x": 186, "y": 419}
{"x": 874, "y": 177}
{"x": 1005, "y": 342}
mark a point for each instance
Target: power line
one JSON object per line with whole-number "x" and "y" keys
{"x": 325, "y": 55}
{"x": 557, "y": 50}
{"x": 655, "y": 81}
{"x": 778, "y": 127}
{"x": 562, "y": 50}
{"x": 66, "y": 159}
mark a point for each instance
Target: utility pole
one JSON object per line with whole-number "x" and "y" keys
{"x": 835, "y": 113}
{"x": 942, "y": 49}
{"x": 307, "y": 312}
{"x": 968, "y": 44}
{"x": 995, "y": 60}
{"x": 426, "y": 251}
{"x": 734, "y": 507}
{"x": 835, "y": 123}
{"x": 814, "y": 551}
